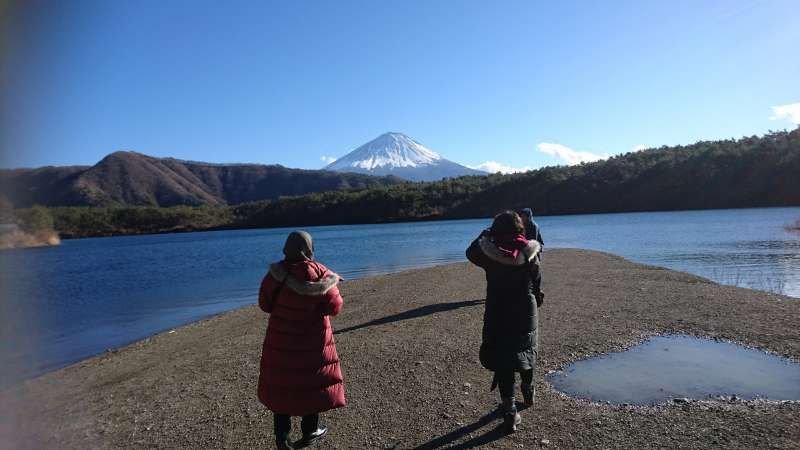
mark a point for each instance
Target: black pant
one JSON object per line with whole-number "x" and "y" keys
{"x": 506, "y": 381}
{"x": 283, "y": 425}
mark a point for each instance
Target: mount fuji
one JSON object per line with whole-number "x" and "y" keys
{"x": 399, "y": 155}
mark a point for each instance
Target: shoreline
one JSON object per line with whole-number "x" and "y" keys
{"x": 234, "y": 227}
{"x": 408, "y": 343}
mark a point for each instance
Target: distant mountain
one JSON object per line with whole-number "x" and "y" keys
{"x": 756, "y": 171}
{"x": 134, "y": 179}
{"x": 399, "y": 155}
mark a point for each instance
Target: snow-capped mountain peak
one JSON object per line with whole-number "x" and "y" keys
{"x": 387, "y": 150}
{"x": 398, "y": 154}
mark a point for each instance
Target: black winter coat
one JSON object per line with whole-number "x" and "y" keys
{"x": 510, "y": 320}
{"x": 532, "y": 232}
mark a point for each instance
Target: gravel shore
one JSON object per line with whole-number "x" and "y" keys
{"x": 409, "y": 348}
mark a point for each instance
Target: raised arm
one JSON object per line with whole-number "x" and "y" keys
{"x": 333, "y": 302}
{"x": 475, "y": 255}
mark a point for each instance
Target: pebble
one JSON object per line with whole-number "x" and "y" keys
{"x": 545, "y": 442}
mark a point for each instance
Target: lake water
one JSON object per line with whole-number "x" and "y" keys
{"x": 62, "y": 304}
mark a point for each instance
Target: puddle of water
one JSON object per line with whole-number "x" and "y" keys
{"x": 668, "y": 367}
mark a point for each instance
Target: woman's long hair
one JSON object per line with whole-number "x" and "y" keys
{"x": 507, "y": 223}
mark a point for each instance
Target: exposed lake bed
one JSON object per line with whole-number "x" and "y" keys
{"x": 408, "y": 343}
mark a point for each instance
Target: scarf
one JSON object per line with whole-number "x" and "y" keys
{"x": 510, "y": 244}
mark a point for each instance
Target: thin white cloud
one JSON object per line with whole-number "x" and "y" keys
{"x": 567, "y": 154}
{"x": 327, "y": 159}
{"x": 494, "y": 167}
{"x": 790, "y": 112}
{"x": 639, "y": 148}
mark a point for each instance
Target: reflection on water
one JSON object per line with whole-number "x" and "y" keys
{"x": 669, "y": 367}
{"x": 69, "y": 302}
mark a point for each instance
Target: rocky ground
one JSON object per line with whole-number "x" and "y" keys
{"x": 408, "y": 344}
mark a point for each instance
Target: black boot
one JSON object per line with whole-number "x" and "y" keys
{"x": 310, "y": 438}
{"x": 528, "y": 394}
{"x": 511, "y": 417}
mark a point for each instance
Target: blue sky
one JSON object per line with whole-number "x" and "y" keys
{"x": 523, "y": 84}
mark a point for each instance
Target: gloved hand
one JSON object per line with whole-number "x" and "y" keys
{"x": 539, "y": 299}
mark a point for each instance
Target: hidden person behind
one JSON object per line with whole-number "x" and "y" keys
{"x": 532, "y": 231}
{"x": 300, "y": 373}
{"x": 510, "y": 322}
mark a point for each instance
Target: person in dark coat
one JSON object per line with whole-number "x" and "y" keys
{"x": 510, "y": 321}
{"x": 532, "y": 231}
{"x": 300, "y": 373}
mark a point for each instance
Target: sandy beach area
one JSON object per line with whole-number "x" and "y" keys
{"x": 409, "y": 348}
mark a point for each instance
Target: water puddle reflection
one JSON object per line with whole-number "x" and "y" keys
{"x": 665, "y": 368}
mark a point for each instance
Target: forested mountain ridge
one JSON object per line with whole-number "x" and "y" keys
{"x": 748, "y": 172}
{"x": 134, "y": 179}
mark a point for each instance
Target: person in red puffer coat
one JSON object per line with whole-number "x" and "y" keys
{"x": 300, "y": 373}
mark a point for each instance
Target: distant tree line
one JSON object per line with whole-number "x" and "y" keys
{"x": 75, "y": 222}
{"x": 748, "y": 172}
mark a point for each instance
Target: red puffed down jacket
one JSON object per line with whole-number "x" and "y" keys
{"x": 300, "y": 373}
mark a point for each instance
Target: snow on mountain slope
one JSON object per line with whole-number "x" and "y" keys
{"x": 399, "y": 155}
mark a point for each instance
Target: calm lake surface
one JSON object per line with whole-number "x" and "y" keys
{"x": 63, "y": 304}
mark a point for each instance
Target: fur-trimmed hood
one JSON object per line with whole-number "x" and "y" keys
{"x": 527, "y": 254}
{"x": 320, "y": 287}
